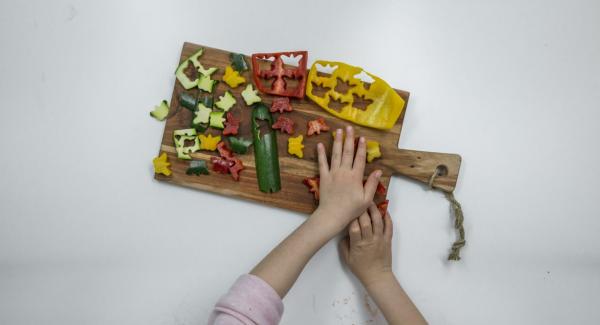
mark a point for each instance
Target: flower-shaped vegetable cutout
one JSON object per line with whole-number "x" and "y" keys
{"x": 232, "y": 77}
{"x": 373, "y": 150}
{"x": 216, "y": 120}
{"x": 281, "y": 104}
{"x": 226, "y": 101}
{"x": 250, "y": 95}
{"x": 295, "y": 146}
{"x": 161, "y": 165}
{"x": 239, "y": 145}
{"x": 208, "y": 142}
{"x": 284, "y": 124}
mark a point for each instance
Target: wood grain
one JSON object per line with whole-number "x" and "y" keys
{"x": 293, "y": 194}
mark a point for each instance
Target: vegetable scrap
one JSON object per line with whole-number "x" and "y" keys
{"x": 316, "y": 126}
{"x": 382, "y": 207}
{"x": 188, "y": 101}
{"x": 201, "y": 117}
{"x": 250, "y": 95}
{"x": 238, "y": 62}
{"x": 239, "y": 145}
{"x": 265, "y": 150}
{"x": 160, "y": 111}
{"x": 216, "y": 120}
{"x": 232, "y": 124}
{"x": 281, "y": 104}
{"x": 161, "y": 165}
{"x": 226, "y": 101}
{"x": 373, "y": 150}
{"x": 284, "y": 124}
{"x": 197, "y": 167}
{"x": 227, "y": 163}
{"x": 232, "y": 77}
{"x": 381, "y": 190}
{"x": 313, "y": 186}
{"x": 180, "y": 137}
{"x": 279, "y": 72}
{"x": 295, "y": 146}
{"x": 208, "y": 142}
{"x": 385, "y": 105}
{"x": 191, "y": 73}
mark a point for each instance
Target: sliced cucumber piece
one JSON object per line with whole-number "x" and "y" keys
{"x": 216, "y": 120}
{"x": 250, "y": 95}
{"x": 206, "y": 83}
{"x": 226, "y": 101}
{"x": 161, "y": 111}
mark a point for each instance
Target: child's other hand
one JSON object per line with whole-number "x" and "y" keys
{"x": 368, "y": 248}
{"x": 342, "y": 194}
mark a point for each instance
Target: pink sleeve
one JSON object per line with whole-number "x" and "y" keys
{"x": 249, "y": 301}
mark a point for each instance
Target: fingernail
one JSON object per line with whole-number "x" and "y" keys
{"x": 320, "y": 145}
{"x": 338, "y": 131}
{"x": 362, "y": 139}
{"x": 378, "y": 173}
{"x": 348, "y": 128}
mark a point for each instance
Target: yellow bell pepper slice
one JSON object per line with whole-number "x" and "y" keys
{"x": 373, "y": 150}
{"x": 232, "y": 77}
{"x": 161, "y": 165}
{"x": 385, "y": 104}
{"x": 208, "y": 142}
{"x": 295, "y": 146}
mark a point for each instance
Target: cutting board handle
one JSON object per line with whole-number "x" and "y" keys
{"x": 420, "y": 165}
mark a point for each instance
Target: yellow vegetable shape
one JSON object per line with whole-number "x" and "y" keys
{"x": 373, "y": 150}
{"x": 385, "y": 105}
{"x": 161, "y": 165}
{"x": 232, "y": 77}
{"x": 208, "y": 142}
{"x": 295, "y": 146}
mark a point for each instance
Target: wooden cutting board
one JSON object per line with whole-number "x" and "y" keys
{"x": 294, "y": 195}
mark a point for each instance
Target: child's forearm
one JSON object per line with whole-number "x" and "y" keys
{"x": 393, "y": 302}
{"x": 282, "y": 266}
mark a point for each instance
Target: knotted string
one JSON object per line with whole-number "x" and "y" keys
{"x": 458, "y": 221}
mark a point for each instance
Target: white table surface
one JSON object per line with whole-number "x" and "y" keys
{"x": 87, "y": 236}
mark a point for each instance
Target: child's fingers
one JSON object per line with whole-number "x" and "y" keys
{"x": 361, "y": 157}
{"x": 354, "y": 232}
{"x": 336, "y": 152}
{"x": 376, "y": 220}
{"x": 388, "y": 231}
{"x": 344, "y": 247}
{"x": 371, "y": 185}
{"x": 323, "y": 166}
{"x": 348, "y": 151}
{"x": 366, "y": 228}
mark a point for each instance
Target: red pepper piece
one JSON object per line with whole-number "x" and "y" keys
{"x": 381, "y": 190}
{"x": 235, "y": 168}
{"x": 220, "y": 165}
{"x": 224, "y": 150}
{"x": 316, "y": 126}
{"x": 232, "y": 124}
{"x": 284, "y": 124}
{"x": 383, "y": 207}
{"x": 313, "y": 185}
{"x": 278, "y": 73}
{"x": 281, "y": 104}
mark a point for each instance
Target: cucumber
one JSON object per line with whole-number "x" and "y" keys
{"x": 161, "y": 111}
{"x": 226, "y": 101}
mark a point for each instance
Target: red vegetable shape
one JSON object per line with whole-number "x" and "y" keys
{"x": 313, "y": 185}
{"x": 316, "y": 126}
{"x": 224, "y": 150}
{"x": 220, "y": 165}
{"x": 232, "y": 124}
{"x": 281, "y": 104}
{"x": 227, "y": 163}
{"x": 380, "y": 187}
{"x": 235, "y": 168}
{"x": 278, "y": 73}
{"x": 383, "y": 207}
{"x": 284, "y": 124}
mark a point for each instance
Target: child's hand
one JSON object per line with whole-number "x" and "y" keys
{"x": 342, "y": 194}
{"x": 368, "y": 248}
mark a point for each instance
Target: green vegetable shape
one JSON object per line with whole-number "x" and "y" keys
{"x": 180, "y": 73}
{"x": 226, "y": 101}
{"x": 207, "y": 101}
{"x": 188, "y": 101}
{"x": 180, "y": 137}
{"x": 250, "y": 95}
{"x": 197, "y": 167}
{"x": 216, "y": 120}
{"x": 201, "y": 117}
{"x": 206, "y": 83}
{"x": 239, "y": 145}
{"x": 238, "y": 62}
{"x": 161, "y": 111}
{"x": 265, "y": 150}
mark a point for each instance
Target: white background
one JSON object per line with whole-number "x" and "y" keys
{"x": 88, "y": 237}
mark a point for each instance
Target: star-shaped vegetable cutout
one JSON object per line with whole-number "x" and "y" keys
{"x": 161, "y": 165}
{"x": 250, "y": 95}
{"x": 284, "y": 124}
{"x": 281, "y": 104}
{"x": 208, "y": 142}
{"x": 295, "y": 146}
{"x": 316, "y": 126}
{"x": 232, "y": 124}
{"x": 232, "y": 77}
{"x": 313, "y": 185}
{"x": 226, "y": 101}
{"x": 373, "y": 150}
